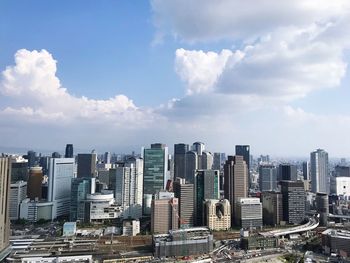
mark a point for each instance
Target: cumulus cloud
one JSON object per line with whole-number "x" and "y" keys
{"x": 286, "y": 63}
{"x": 32, "y": 84}
{"x": 206, "y": 20}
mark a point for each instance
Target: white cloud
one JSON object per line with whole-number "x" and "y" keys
{"x": 32, "y": 85}
{"x": 285, "y": 64}
{"x": 207, "y": 20}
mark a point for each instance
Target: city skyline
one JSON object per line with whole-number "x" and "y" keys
{"x": 150, "y": 72}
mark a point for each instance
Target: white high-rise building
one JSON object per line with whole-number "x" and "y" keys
{"x": 127, "y": 183}
{"x": 319, "y": 171}
{"x": 61, "y": 172}
{"x": 18, "y": 192}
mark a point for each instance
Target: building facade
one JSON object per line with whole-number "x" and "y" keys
{"x": 293, "y": 198}
{"x": 272, "y": 208}
{"x": 126, "y": 182}
{"x": 180, "y": 150}
{"x": 18, "y": 192}
{"x": 155, "y": 169}
{"x": 81, "y": 187}
{"x": 86, "y": 165}
{"x": 164, "y": 215}
{"x": 236, "y": 182}
{"x": 249, "y": 213}
{"x": 185, "y": 193}
{"x": 207, "y": 186}
{"x": 319, "y": 171}
{"x": 5, "y": 173}
{"x": 267, "y": 177}
{"x": 217, "y": 214}
{"x": 61, "y": 172}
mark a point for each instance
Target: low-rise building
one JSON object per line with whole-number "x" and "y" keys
{"x": 100, "y": 207}
{"x": 33, "y": 211}
{"x": 131, "y": 227}
{"x": 258, "y": 242}
{"x": 336, "y": 241}
{"x": 183, "y": 242}
{"x": 69, "y": 229}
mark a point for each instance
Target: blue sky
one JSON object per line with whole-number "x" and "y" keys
{"x": 129, "y": 73}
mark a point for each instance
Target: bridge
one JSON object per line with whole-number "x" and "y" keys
{"x": 310, "y": 225}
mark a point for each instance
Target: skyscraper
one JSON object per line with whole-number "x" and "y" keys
{"x": 306, "y": 170}
{"x": 185, "y": 193}
{"x": 69, "y": 151}
{"x": 31, "y": 156}
{"x": 236, "y": 183}
{"x": 180, "y": 150}
{"x": 319, "y": 171}
{"x": 244, "y": 150}
{"x": 267, "y": 177}
{"x": 61, "y": 172}
{"x": 107, "y": 157}
{"x": 81, "y": 187}
{"x": 191, "y": 159}
{"x": 293, "y": 198}
{"x": 34, "y": 185}
{"x": 272, "y": 208}
{"x": 18, "y": 193}
{"x": 287, "y": 172}
{"x": 126, "y": 181}
{"x": 207, "y": 186}
{"x": 155, "y": 169}
{"x": 5, "y": 173}
{"x": 86, "y": 165}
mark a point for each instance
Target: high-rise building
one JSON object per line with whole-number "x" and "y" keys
{"x": 191, "y": 159}
{"x": 61, "y": 173}
{"x": 126, "y": 182}
{"x": 319, "y": 171}
{"x": 244, "y": 150}
{"x": 322, "y": 207}
{"x": 19, "y": 171}
{"x": 207, "y": 161}
{"x": 107, "y": 157}
{"x": 272, "y": 208}
{"x": 32, "y": 160}
{"x": 218, "y": 160}
{"x": 198, "y": 147}
{"x": 293, "y": 198}
{"x": 235, "y": 178}
{"x": 34, "y": 185}
{"x": 306, "y": 170}
{"x": 5, "y": 173}
{"x": 69, "y": 151}
{"x": 342, "y": 171}
{"x": 86, "y": 165}
{"x": 155, "y": 168}
{"x": 55, "y": 155}
{"x": 164, "y": 215}
{"x": 287, "y": 172}
{"x": 18, "y": 193}
{"x": 185, "y": 193}
{"x": 267, "y": 177}
{"x": 180, "y": 150}
{"x": 81, "y": 187}
{"x": 249, "y": 212}
{"x": 217, "y": 214}
{"x": 206, "y": 186}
